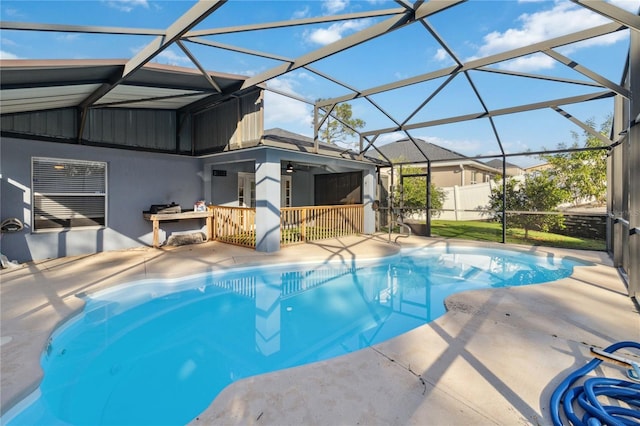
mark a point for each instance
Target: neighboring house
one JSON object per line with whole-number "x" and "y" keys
{"x": 86, "y": 147}
{"x": 537, "y": 168}
{"x": 512, "y": 170}
{"x": 448, "y": 168}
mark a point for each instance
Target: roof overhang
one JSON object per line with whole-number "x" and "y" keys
{"x": 36, "y": 85}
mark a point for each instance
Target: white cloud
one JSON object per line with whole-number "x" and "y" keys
{"x": 284, "y": 112}
{"x": 307, "y": 76}
{"x": 335, "y": 31}
{"x": 67, "y": 37}
{"x": 172, "y": 58}
{"x": 8, "y": 55}
{"x": 334, "y": 6}
{"x": 563, "y": 18}
{"x": 537, "y": 61}
{"x": 302, "y": 13}
{"x": 389, "y": 137}
{"x": 442, "y": 56}
{"x": 7, "y": 42}
{"x": 400, "y": 75}
{"x": 467, "y": 147}
{"x": 126, "y": 5}
{"x": 325, "y": 36}
{"x": 167, "y": 56}
{"x": 11, "y": 12}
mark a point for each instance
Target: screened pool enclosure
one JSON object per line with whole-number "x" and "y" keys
{"x": 400, "y": 66}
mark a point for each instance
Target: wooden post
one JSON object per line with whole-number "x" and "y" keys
{"x": 156, "y": 228}
{"x": 210, "y": 226}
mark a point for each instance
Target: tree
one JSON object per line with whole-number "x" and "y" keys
{"x": 414, "y": 194}
{"x": 339, "y": 125}
{"x": 538, "y": 193}
{"x": 583, "y": 173}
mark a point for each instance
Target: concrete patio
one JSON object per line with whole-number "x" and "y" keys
{"x": 494, "y": 358}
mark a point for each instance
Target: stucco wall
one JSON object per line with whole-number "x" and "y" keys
{"x": 135, "y": 181}
{"x": 224, "y": 189}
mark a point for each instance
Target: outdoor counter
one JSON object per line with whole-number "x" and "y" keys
{"x": 157, "y": 217}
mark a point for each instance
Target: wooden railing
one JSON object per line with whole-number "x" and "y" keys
{"x": 299, "y": 224}
{"x": 236, "y": 225}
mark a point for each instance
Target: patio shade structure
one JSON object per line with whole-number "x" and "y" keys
{"x": 202, "y": 31}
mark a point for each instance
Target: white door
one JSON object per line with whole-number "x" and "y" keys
{"x": 247, "y": 190}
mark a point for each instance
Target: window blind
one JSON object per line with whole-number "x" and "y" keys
{"x": 68, "y": 193}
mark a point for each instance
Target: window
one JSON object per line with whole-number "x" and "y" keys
{"x": 246, "y": 189}
{"x": 474, "y": 177}
{"x": 240, "y": 190}
{"x": 68, "y": 194}
{"x": 285, "y": 191}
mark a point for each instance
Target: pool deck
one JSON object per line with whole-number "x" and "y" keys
{"x": 494, "y": 358}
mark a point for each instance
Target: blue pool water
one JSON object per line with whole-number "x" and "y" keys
{"x": 158, "y": 352}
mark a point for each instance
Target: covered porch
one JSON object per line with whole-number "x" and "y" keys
{"x": 280, "y": 192}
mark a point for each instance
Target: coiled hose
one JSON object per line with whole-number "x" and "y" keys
{"x": 586, "y": 396}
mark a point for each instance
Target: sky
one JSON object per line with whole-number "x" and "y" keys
{"x": 475, "y": 29}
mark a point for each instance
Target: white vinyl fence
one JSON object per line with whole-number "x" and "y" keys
{"x": 468, "y": 202}
{"x": 462, "y": 202}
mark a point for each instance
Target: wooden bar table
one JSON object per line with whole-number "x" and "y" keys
{"x": 156, "y": 218}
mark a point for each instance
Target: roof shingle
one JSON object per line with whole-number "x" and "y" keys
{"x": 405, "y": 150}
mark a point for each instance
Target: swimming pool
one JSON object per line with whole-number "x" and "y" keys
{"x": 158, "y": 352}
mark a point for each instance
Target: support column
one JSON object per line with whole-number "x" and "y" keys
{"x": 615, "y": 188}
{"x": 634, "y": 166}
{"x": 368, "y": 196}
{"x": 267, "y": 202}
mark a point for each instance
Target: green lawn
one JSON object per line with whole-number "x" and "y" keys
{"x": 492, "y": 231}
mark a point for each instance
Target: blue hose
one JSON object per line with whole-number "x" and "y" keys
{"x": 585, "y": 395}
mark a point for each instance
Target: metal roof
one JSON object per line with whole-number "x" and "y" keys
{"x": 41, "y": 85}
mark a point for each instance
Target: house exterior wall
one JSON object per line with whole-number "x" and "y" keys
{"x": 446, "y": 176}
{"x": 135, "y": 181}
{"x": 452, "y": 175}
{"x": 224, "y": 189}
